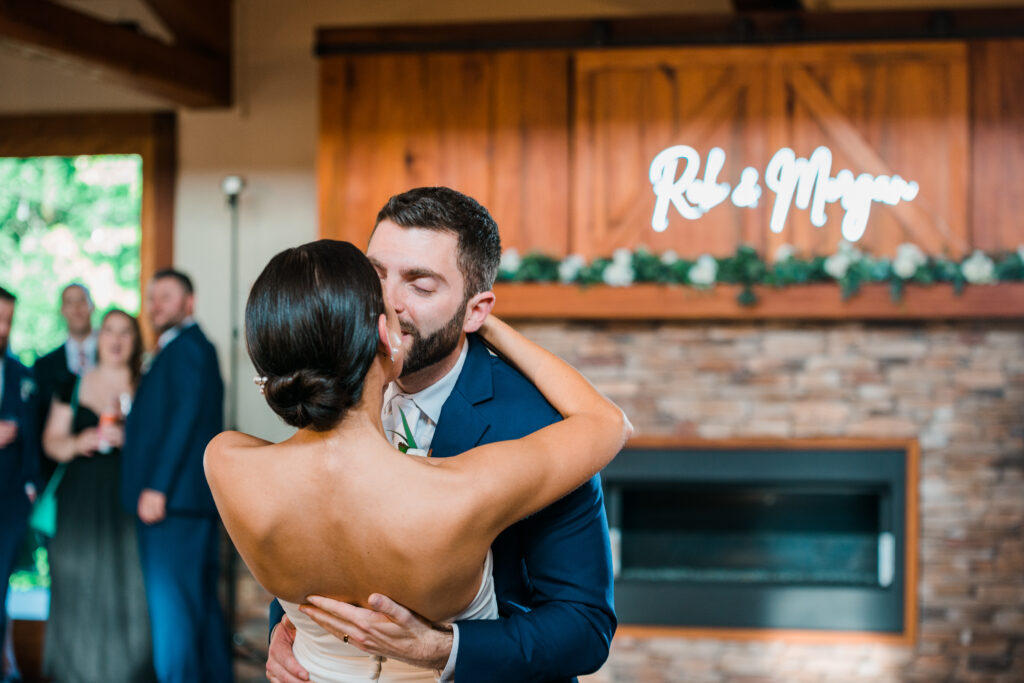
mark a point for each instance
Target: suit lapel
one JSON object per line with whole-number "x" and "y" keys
{"x": 462, "y": 425}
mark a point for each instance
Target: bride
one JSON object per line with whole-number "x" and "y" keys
{"x": 357, "y": 516}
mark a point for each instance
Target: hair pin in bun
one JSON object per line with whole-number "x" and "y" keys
{"x": 261, "y": 382}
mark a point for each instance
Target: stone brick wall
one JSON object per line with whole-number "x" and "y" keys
{"x": 958, "y": 388}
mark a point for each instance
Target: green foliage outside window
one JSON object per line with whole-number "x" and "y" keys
{"x": 62, "y": 220}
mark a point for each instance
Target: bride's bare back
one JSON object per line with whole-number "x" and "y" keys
{"x": 345, "y": 520}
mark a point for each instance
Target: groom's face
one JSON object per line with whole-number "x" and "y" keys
{"x": 419, "y": 272}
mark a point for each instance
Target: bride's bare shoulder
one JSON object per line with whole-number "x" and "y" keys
{"x": 227, "y": 444}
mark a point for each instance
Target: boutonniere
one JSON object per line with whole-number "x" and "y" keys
{"x": 28, "y": 387}
{"x": 410, "y": 447}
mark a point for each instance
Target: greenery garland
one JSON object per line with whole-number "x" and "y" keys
{"x": 849, "y": 267}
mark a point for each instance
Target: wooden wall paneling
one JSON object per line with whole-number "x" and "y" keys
{"x": 530, "y": 161}
{"x": 159, "y": 151}
{"x": 632, "y": 104}
{"x": 492, "y": 125}
{"x": 903, "y": 113}
{"x": 338, "y": 190}
{"x": 778, "y": 108}
{"x": 997, "y": 145}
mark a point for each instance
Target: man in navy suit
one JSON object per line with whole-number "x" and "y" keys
{"x": 19, "y": 453}
{"x": 177, "y": 410}
{"x": 437, "y": 254}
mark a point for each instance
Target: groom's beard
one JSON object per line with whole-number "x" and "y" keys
{"x": 433, "y": 348}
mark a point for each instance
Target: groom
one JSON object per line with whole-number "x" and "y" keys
{"x": 437, "y": 251}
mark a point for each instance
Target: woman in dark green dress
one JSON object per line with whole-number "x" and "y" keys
{"x": 98, "y": 629}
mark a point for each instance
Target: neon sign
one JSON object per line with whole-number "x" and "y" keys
{"x": 805, "y": 183}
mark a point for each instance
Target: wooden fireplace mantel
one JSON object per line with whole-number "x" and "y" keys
{"x": 819, "y": 301}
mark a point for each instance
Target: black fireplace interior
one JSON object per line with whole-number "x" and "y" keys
{"x": 759, "y": 538}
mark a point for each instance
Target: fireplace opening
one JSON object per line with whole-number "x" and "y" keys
{"x": 756, "y": 534}
{"x": 759, "y": 538}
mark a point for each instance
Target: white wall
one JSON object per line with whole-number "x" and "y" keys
{"x": 269, "y": 136}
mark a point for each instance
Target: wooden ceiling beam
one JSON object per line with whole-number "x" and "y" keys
{"x": 179, "y": 74}
{"x": 203, "y": 25}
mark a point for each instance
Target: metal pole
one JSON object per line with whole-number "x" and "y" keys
{"x": 232, "y": 186}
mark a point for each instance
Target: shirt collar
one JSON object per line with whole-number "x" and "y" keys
{"x": 88, "y": 344}
{"x": 431, "y": 400}
{"x": 169, "y": 335}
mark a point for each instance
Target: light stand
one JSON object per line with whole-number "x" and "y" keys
{"x": 232, "y": 186}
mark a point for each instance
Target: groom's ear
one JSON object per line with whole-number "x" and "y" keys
{"x": 477, "y": 309}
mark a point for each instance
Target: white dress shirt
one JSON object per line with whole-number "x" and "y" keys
{"x": 80, "y": 355}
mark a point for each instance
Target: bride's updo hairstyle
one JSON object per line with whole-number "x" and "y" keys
{"x": 311, "y": 330}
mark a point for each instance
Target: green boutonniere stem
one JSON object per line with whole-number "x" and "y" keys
{"x": 410, "y": 442}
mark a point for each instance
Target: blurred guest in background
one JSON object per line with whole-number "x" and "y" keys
{"x": 61, "y": 367}
{"x": 98, "y": 628}
{"x": 178, "y": 409}
{"x": 19, "y": 454}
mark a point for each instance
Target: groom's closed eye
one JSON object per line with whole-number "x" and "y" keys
{"x": 423, "y": 280}
{"x": 424, "y": 285}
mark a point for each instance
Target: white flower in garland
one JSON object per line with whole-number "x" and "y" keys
{"x": 622, "y": 256}
{"x": 850, "y": 249}
{"x": 569, "y": 268}
{"x": 784, "y": 253}
{"x": 839, "y": 263}
{"x": 669, "y": 257}
{"x": 978, "y": 269}
{"x": 836, "y": 265}
{"x": 909, "y": 258}
{"x": 618, "y": 274}
{"x": 510, "y": 261}
{"x": 704, "y": 271}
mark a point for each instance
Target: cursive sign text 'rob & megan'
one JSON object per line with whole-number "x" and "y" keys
{"x": 806, "y": 183}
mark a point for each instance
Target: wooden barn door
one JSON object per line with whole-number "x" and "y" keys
{"x": 881, "y": 110}
{"x": 490, "y": 124}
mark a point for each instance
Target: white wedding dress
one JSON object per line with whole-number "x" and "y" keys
{"x": 329, "y": 660}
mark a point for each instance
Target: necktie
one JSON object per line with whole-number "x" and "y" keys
{"x": 83, "y": 360}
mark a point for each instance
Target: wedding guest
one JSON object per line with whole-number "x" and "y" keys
{"x": 72, "y": 359}
{"x": 19, "y": 454}
{"x": 178, "y": 408}
{"x": 98, "y": 629}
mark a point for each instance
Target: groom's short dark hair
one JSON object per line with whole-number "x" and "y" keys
{"x": 442, "y": 208}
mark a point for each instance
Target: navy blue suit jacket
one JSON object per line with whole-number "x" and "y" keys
{"x": 19, "y": 461}
{"x": 177, "y": 410}
{"x": 553, "y": 570}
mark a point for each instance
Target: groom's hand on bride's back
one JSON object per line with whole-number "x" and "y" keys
{"x": 282, "y": 667}
{"x": 387, "y": 629}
